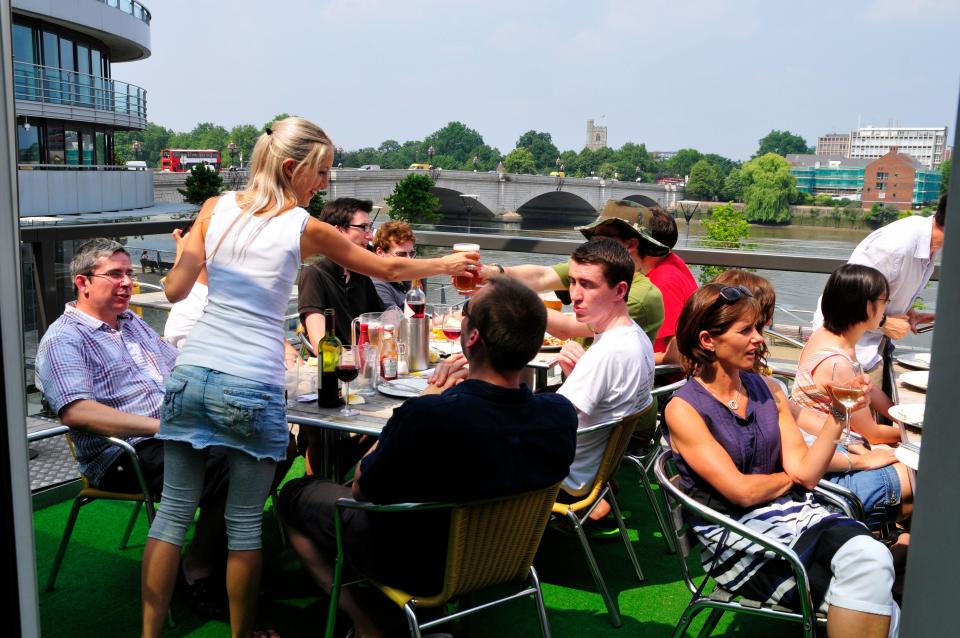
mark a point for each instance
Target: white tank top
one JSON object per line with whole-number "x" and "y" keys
{"x": 250, "y": 278}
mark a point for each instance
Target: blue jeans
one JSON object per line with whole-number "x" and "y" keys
{"x": 878, "y": 490}
{"x": 247, "y": 490}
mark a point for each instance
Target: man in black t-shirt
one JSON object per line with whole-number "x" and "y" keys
{"x": 476, "y": 433}
{"x": 325, "y": 284}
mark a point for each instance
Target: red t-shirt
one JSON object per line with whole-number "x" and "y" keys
{"x": 676, "y": 283}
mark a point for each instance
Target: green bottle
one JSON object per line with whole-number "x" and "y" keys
{"x": 328, "y": 350}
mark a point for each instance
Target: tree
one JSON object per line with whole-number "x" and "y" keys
{"x": 201, "y": 184}
{"x": 680, "y": 164}
{"x": 733, "y": 186}
{"x": 245, "y": 136}
{"x": 520, "y": 160}
{"x": 945, "y": 176}
{"x": 542, "y": 148}
{"x": 782, "y": 143}
{"x": 705, "y": 182}
{"x": 413, "y": 202}
{"x": 456, "y": 140}
{"x": 725, "y": 228}
{"x": 836, "y": 214}
{"x": 315, "y": 207}
{"x": 850, "y": 213}
{"x": 880, "y": 215}
{"x": 768, "y": 189}
{"x": 723, "y": 164}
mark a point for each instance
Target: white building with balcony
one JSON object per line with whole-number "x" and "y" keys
{"x": 69, "y": 105}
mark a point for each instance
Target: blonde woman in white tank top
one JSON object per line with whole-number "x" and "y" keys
{"x": 227, "y": 387}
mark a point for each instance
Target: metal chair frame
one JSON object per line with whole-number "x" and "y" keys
{"x": 644, "y": 465}
{"x": 89, "y": 494}
{"x": 577, "y": 513}
{"x": 720, "y": 600}
{"x": 456, "y": 560}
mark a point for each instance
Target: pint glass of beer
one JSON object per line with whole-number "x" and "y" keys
{"x": 465, "y": 284}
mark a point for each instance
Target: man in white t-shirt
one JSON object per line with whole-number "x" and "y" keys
{"x": 614, "y": 377}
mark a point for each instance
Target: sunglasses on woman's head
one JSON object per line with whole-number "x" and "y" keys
{"x": 732, "y": 294}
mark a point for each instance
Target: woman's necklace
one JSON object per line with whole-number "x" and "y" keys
{"x": 733, "y": 404}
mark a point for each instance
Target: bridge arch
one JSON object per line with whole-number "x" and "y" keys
{"x": 557, "y": 208}
{"x": 453, "y": 210}
{"x": 643, "y": 200}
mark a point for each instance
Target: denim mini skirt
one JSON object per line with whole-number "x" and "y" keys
{"x": 204, "y": 407}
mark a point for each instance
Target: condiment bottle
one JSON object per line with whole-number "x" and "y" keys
{"x": 388, "y": 353}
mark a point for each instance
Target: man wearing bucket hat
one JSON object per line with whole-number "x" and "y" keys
{"x": 623, "y": 221}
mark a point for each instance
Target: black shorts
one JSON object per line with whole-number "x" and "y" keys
{"x": 406, "y": 551}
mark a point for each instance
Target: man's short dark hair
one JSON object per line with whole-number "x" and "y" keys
{"x": 339, "y": 212}
{"x": 663, "y": 227}
{"x": 511, "y": 320}
{"x": 940, "y": 217}
{"x": 90, "y": 252}
{"x": 845, "y": 297}
{"x": 611, "y": 256}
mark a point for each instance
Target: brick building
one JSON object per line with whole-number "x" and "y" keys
{"x": 899, "y": 180}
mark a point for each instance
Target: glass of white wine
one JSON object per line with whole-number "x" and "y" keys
{"x": 847, "y": 388}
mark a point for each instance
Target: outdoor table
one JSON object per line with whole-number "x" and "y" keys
{"x": 910, "y": 436}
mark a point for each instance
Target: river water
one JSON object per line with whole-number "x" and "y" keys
{"x": 797, "y": 292}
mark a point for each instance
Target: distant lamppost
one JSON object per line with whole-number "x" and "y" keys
{"x": 434, "y": 171}
{"x": 500, "y": 170}
{"x": 136, "y": 149}
{"x": 232, "y": 148}
{"x": 469, "y": 201}
{"x": 338, "y": 156}
{"x": 476, "y": 163}
{"x": 557, "y": 163}
{"x": 638, "y": 176}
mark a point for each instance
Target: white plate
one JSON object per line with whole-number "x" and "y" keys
{"x": 909, "y": 413}
{"x": 917, "y": 379}
{"x": 917, "y": 361}
{"x": 403, "y": 388}
{"x": 908, "y": 457}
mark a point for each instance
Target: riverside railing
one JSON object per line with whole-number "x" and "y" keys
{"x": 52, "y": 85}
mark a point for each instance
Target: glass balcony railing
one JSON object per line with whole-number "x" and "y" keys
{"x": 131, "y": 7}
{"x": 52, "y": 85}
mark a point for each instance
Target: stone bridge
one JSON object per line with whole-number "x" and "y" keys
{"x": 500, "y": 197}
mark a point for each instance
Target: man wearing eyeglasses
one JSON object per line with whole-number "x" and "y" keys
{"x": 394, "y": 239}
{"x": 326, "y": 284}
{"x": 102, "y": 369}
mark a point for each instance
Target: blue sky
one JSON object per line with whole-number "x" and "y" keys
{"x": 710, "y": 74}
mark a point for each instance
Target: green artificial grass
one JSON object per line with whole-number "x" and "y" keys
{"x": 98, "y": 589}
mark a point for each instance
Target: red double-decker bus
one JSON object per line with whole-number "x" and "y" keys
{"x": 181, "y": 160}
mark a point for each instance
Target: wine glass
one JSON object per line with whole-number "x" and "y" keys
{"x": 439, "y": 313}
{"x": 844, "y": 390}
{"x": 451, "y": 326}
{"x": 347, "y": 371}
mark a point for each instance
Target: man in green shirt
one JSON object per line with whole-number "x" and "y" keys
{"x": 623, "y": 221}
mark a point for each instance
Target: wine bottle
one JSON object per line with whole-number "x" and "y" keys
{"x": 328, "y": 393}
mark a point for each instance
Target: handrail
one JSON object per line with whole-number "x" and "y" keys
{"x": 130, "y": 7}
{"x": 54, "y": 85}
{"x": 78, "y": 167}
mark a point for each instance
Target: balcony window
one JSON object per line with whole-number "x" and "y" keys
{"x": 71, "y": 140}
{"x": 86, "y": 147}
{"x": 51, "y": 74}
{"x": 28, "y": 144}
{"x": 55, "y": 154}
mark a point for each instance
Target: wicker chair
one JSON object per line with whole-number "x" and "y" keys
{"x": 89, "y": 494}
{"x": 578, "y": 512}
{"x": 717, "y": 599}
{"x": 490, "y": 542}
